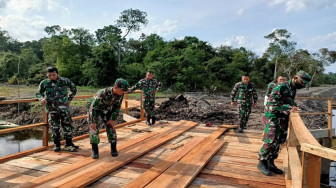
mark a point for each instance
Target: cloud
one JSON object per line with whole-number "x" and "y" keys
{"x": 166, "y": 29}
{"x": 301, "y": 5}
{"x": 323, "y": 41}
{"x": 240, "y": 11}
{"x": 24, "y": 19}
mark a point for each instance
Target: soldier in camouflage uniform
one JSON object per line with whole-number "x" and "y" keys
{"x": 280, "y": 104}
{"x": 149, "y": 87}
{"x": 57, "y": 104}
{"x": 245, "y": 92}
{"x": 103, "y": 109}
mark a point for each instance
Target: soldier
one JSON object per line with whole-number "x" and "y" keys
{"x": 280, "y": 104}
{"x": 149, "y": 87}
{"x": 271, "y": 86}
{"x": 245, "y": 92}
{"x": 57, "y": 104}
{"x": 103, "y": 109}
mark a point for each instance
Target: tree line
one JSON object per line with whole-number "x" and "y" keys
{"x": 188, "y": 64}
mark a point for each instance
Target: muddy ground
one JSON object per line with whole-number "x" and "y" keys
{"x": 198, "y": 107}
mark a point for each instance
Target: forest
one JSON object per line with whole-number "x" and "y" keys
{"x": 188, "y": 64}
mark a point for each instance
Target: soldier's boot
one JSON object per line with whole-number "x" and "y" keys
{"x": 69, "y": 146}
{"x": 240, "y": 129}
{"x": 153, "y": 120}
{"x": 263, "y": 167}
{"x": 273, "y": 168}
{"x": 148, "y": 121}
{"x": 95, "y": 152}
{"x": 114, "y": 151}
{"x": 68, "y": 142}
{"x": 57, "y": 145}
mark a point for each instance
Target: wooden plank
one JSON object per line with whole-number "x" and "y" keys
{"x": 23, "y": 127}
{"x": 103, "y": 152}
{"x": 36, "y": 164}
{"x": 301, "y": 132}
{"x": 102, "y": 167}
{"x": 156, "y": 170}
{"x": 184, "y": 178}
{"x": 330, "y": 117}
{"x": 21, "y": 154}
{"x": 237, "y": 181}
{"x": 128, "y": 118}
{"x": 295, "y": 167}
{"x": 311, "y": 170}
{"x": 319, "y": 151}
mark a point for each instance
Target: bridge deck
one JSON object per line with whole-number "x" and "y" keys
{"x": 233, "y": 164}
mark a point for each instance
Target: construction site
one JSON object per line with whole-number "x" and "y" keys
{"x": 187, "y": 147}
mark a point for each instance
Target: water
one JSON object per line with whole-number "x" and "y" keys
{"x": 20, "y": 141}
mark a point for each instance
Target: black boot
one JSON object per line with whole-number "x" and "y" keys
{"x": 240, "y": 129}
{"x": 57, "y": 145}
{"x": 95, "y": 152}
{"x": 114, "y": 151}
{"x": 148, "y": 121}
{"x": 69, "y": 146}
{"x": 273, "y": 168}
{"x": 263, "y": 167}
{"x": 153, "y": 120}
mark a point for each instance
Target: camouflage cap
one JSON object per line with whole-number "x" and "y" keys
{"x": 121, "y": 83}
{"x": 305, "y": 77}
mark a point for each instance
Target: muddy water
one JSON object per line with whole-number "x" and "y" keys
{"x": 20, "y": 141}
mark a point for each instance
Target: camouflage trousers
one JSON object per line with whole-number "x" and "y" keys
{"x": 274, "y": 135}
{"x": 244, "y": 113}
{"x": 101, "y": 119}
{"x": 58, "y": 118}
{"x": 148, "y": 105}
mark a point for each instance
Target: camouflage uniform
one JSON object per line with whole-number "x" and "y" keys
{"x": 103, "y": 107}
{"x": 267, "y": 95}
{"x": 278, "y": 107}
{"x": 57, "y": 106}
{"x": 148, "y": 88}
{"x": 246, "y": 93}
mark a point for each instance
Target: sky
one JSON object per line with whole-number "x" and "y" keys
{"x": 237, "y": 23}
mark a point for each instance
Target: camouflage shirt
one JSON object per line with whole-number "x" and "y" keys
{"x": 148, "y": 88}
{"x": 281, "y": 99}
{"x": 104, "y": 101}
{"x": 56, "y": 92}
{"x": 244, "y": 93}
{"x": 270, "y": 88}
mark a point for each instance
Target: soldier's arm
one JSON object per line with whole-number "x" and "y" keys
{"x": 279, "y": 106}
{"x": 73, "y": 90}
{"x": 255, "y": 95}
{"x": 234, "y": 92}
{"x": 41, "y": 91}
{"x": 136, "y": 86}
{"x": 269, "y": 90}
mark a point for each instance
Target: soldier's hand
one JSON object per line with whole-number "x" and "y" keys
{"x": 295, "y": 109}
{"x": 232, "y": 104}
{"x": 43, "y": 102}
{"x": 255, "y": 105}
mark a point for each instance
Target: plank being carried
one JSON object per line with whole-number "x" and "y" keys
{"x": 90, "y": 173}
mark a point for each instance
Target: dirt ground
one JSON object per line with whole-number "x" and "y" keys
{"x": 198, "y": 107}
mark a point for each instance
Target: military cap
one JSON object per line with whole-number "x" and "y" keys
{"x": 121, "y": 83}
{"x": 305, "y": 77}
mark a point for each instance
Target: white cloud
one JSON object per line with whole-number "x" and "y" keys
{"x": 166, "y": 29}
{"x": 240, "y": 11}
{"x": 24, "y": 19}
{"x": 301, "y": 5}
{"x": 323, "y": 41}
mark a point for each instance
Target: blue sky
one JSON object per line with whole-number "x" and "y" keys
{"x": 219, "y": 22}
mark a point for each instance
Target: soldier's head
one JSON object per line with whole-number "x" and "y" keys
{"x": 246, "y": 78}
{"x": 120, "y": 86}
{"x": 149, "y": 75}
{"x": 281, "y": 79}
{"x": 52, "y": 73}
{"x": 301, "y": 79}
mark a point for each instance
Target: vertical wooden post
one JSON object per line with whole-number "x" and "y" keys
{"x": 330, "y": 117}
{"x": 311, "y": 170}
{"x": 45, "y": 128}
{"x": 126, "y": 103}
{"x": 142, "y": 115}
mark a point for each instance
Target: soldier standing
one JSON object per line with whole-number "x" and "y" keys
{"x": 57, "y": 104}
{"x": 271, "y": 86}
{"x": 103, "y": 109}
{"x": 280, "y": 104}
{"x": 149, "y": 87}
{"x": 246, "y": 94}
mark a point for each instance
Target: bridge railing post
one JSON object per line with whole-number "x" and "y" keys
{"x": 311, "y": 170}
{"x": 45, "y": 128}
{"x": 330, "y": 117}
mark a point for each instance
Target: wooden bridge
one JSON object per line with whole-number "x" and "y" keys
{"x": 169, "y": 154}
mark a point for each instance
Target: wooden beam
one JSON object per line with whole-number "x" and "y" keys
{"x": 295, "y": 167}
{"x": 24, "y": 127}
{"x": 21, "y": 154}
{"x": 156, "y": 170}
{"x": 311, "y": 170}
{"x": 330, "y": 117}
{"x": 128, "y": 118}
{"x": 301, "y": 132}
{"x": 320, "y": 151}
